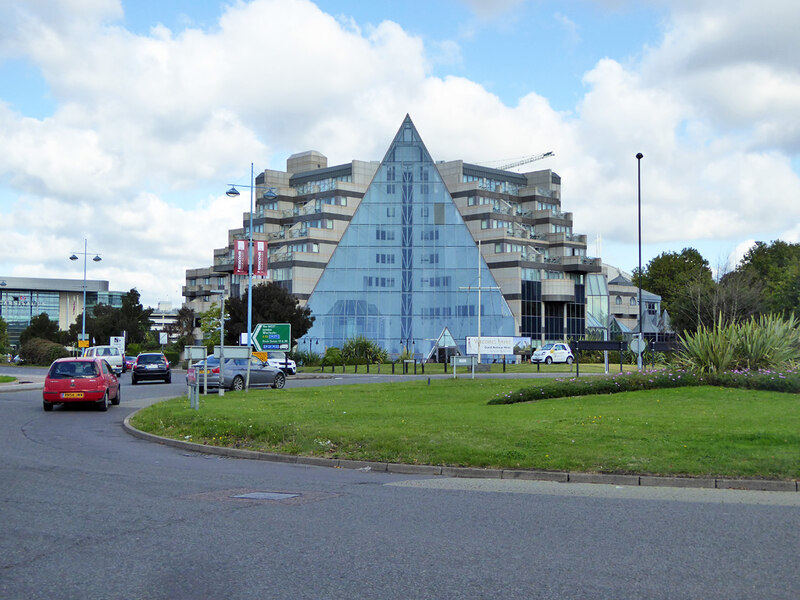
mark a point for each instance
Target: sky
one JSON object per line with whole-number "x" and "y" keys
{"x": 123, "y": 122}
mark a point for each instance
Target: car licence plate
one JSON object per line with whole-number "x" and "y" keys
{"x": 72, "y": 395}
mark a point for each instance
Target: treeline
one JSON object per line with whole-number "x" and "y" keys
{"x": 766, "y": 281}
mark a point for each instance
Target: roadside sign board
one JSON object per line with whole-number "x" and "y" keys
{"x": 118, "y": 341}
{"x": 272, "y": 336}
{"x": 83, "y": 343}
{"x": 637, "y": 345}
{"x": 232, "y": 352}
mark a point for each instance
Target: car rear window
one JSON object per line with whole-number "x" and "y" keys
{"x": 70, "y": 370}
{"x": 150, "y": 359}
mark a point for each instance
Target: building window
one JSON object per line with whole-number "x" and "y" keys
{"x": 633, "y": 301}
{"x": 384, "y": 234}
{"x": 618, "y": 300}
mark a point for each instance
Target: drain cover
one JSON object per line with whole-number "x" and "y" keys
{"x": 266, "y": 496}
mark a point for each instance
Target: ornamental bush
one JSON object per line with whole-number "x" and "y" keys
{"x": 37, "y": 351}
{"x": 769, "y": 341}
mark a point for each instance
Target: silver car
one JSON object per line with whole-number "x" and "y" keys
{"x": 261, "y": 374}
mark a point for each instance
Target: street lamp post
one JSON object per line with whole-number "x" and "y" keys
{"x": 96, "y": 258}
{"x": 233, "y": 193}
{"x": 639, "y": 158}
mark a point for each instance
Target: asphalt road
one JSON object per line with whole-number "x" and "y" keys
{"x": 91, "y": 512}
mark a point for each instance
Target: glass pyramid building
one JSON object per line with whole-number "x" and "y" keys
{"x": 407, "y": 265}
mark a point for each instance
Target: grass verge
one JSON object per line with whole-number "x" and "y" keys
{"x": 7, "y": 379}
{"x": 694, "y": 431}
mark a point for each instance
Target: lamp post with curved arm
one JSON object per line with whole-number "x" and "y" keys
{"x": 233, "y": 193}
{"x": 96, "y": 258}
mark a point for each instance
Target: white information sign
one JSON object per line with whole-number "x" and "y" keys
{"x": 118, "y": 342}
{"x": 490, "y": 345}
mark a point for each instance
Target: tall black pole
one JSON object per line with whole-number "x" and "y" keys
{"x": 639, "y": 158}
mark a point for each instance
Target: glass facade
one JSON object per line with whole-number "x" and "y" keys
{"x": 407, "y": 266}
{"x": 19, "y": 307}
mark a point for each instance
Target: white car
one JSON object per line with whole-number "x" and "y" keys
{"x": 553, "y": 353}
{"x": 277, "y": 360}
{"x": 111, "y": 354}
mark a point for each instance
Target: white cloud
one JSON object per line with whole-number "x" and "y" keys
{"x": 142, "y": 118}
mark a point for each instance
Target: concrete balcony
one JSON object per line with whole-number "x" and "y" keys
{"x": 558, "y": 290}
{"x": 582, "y": 264}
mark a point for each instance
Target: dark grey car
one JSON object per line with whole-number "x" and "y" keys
{"x": 261, "y": 374}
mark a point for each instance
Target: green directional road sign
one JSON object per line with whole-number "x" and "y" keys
{"x": 272, "y": 336}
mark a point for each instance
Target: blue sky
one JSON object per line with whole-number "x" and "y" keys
{"x": 128, "y": 119}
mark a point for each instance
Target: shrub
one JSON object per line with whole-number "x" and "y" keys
{"x": 307, "y": 358}
{"x": 38, "y": 351}
{"x": 360, "y": 350}
{"x": 771, "y": 341}
{"x": 333, "y": 356}
{"x": 172, "y": 356}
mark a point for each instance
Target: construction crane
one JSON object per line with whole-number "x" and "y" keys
{"x": 525, "y": 161}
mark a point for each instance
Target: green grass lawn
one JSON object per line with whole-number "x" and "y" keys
{"x": 696, "y": 431}
{"x": 7, "y": 379}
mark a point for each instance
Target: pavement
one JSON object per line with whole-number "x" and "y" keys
{"x": 23, "y": 383}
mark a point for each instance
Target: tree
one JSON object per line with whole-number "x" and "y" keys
{"x": 132, "y": 319}
{"x": 777, "y": 267}
{"x": 4, "y": 342}
{"x": 736, "y": 297}
{"x": 184, "y": 325}
{"x": 209, "y": 323}
{"x": 41, "y": 327}
{"x": 669, "y": 274}
{"x": 271, "y": 304}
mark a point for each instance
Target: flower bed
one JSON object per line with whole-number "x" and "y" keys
{"x": 768, "y": 380}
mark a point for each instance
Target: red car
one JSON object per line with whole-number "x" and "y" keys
{"x": 85, "y": 379}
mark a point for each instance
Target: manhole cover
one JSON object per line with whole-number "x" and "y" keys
{"x": 251, "y": 496}
{"x": 266, "y": 496}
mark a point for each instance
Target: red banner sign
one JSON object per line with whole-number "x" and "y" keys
{"x": 240, "y": 257}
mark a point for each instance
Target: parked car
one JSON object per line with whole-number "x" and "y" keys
{"x": 110, "y": 353}
{"x": 129, "y": 361}
{"x": 261, "y": 374}
{"x": 277, "y": 360}
{"x": 149, "y": 366}
{"x": 83, "y": 379}
{"x": 553, "y": 353}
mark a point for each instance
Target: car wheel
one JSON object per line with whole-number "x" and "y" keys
{"x": 103, "y": 404}
{"x": 118, "y": 397}
{"x": 569, "y": 360}
{"x": 47, "y": 406}
{"x": 134, "y": 381}
{"x": 168, "y": 378}
{"x": 548, "y": 360}
{"x": 280, "y": 380}
{"x": 237, "y": 384}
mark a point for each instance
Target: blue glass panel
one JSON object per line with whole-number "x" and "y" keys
{"x": 399, "y": 273}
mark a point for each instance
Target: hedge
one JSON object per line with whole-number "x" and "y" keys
{"x": 768, "y": 380}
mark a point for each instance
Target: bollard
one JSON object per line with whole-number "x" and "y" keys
{"x": 504, "y": 363}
